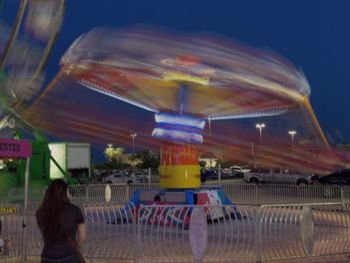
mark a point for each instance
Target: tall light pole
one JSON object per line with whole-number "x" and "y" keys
{"x": 209, "y": 125}
{"x": 133, "y": 135}
{"x": 253, "y": 163}
{"x": 260, "y": 126}
{"x": 292, "y": 133}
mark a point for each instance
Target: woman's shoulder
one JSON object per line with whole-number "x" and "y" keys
{"x": 72, "y": 208}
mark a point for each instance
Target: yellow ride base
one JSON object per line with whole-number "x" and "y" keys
{"x": 180, "y": 176}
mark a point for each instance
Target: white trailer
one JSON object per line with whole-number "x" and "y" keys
{"x": 71, "y": 160}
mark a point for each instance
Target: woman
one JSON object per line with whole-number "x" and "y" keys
{"x": 61, "y": 224}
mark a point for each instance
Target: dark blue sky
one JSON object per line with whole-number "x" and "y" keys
{"x": 314, "y": 35}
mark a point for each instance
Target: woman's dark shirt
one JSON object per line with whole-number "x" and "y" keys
{"x": 58, "y": 246}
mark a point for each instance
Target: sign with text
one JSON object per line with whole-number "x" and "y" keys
{"x": 8, "y": 210}
{"x": 15, "y": 148}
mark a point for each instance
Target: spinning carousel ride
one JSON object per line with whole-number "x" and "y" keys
{"x": 185, "y": 82}
{"x": 166, "y": 87}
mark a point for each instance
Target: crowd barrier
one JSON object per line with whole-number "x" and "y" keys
{"x": 181, "y": 233}
{"x": 266, "y": 222}
{"x": 156, "y": 233}
{"x": 284, "y": 194}
{"x": 260, "y": 194}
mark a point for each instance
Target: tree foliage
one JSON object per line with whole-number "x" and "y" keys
{"x": 146, "y": 159}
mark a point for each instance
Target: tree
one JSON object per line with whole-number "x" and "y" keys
{"x": 146, "y": 159}
{"x": 114, "y": 153}
{"x": 114, "y": 157}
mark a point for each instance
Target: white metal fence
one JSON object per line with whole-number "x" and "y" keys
{"x": 284, "y": 194}
{"x": 165, "y": 234}
{"x": 111, "y": 231}
{"x": 266, "y": 222}
{"x": 260, "y": 194}
{"x": 11, "y": 237}
{"x": 243, "y": 233}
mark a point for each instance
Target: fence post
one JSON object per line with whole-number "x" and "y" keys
{"x": 149, "y": 177}
{"x": 23, "y": 237}
{"x": 137, "y": 234}
{"x": 342, "y": 197}
{"x": 87, "y": 193}
{"x": 219, "y": 174}
{"x": 256, "y": 194}
{"x": 258, "y": 235}
{"x": 127, "y": 193}
{"x": 25, "y": 209}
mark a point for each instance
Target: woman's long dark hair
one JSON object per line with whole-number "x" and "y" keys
{"x": 50, "y": 213}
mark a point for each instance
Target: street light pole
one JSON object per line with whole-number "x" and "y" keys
{"x": 253, "y": 163}
{"x": 133, "y": 135}
{"x": 260, "y": 126}
{"x": 292, "y": 133}
{"x": 209, "y": 125}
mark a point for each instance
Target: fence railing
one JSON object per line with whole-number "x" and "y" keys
{"x": 263, "y": 224}
{"x": 112, "y": 229}
{"x": 157, "y": 233}
{"x": 284, "y": 194}
{"x": 237, "y": 193}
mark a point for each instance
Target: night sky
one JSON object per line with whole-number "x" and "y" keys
{"x": 314, "y": 35}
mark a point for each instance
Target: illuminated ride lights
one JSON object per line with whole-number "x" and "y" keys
{"x": 185, "y": 81}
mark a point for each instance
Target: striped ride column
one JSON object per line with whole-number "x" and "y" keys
{"x": 179, "y": 168}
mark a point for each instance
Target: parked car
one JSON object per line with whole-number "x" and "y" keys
{"x": 213, "y": 174}
{"x": 119, "y": 178}
{"x": 227, "y": 174}
{"x": 272, "y": 176}
{"x": 340, "y": 178}
{"x": 239, "y": 171}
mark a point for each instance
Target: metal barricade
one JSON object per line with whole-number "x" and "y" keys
{"x": 284, "y": 194}
{"x": 244, "y": 232}
{"x": 319, "y": 194}
{"x": 16, "y": 195}
{"x": 11, "y": 239}
{"x": 277, "y": 194}
{"x": 78, "y": 193}
{"x": 241, "y": 193}
{"x": 34, "y": 242}
{"x": 174, "y": 234}
{"x": 111, "y": 231}
{"x": 345, "y": 194}
{"x": 302, "y": 230}
{"x": 238, "y": 193}
{"x": 97, "y": 193}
